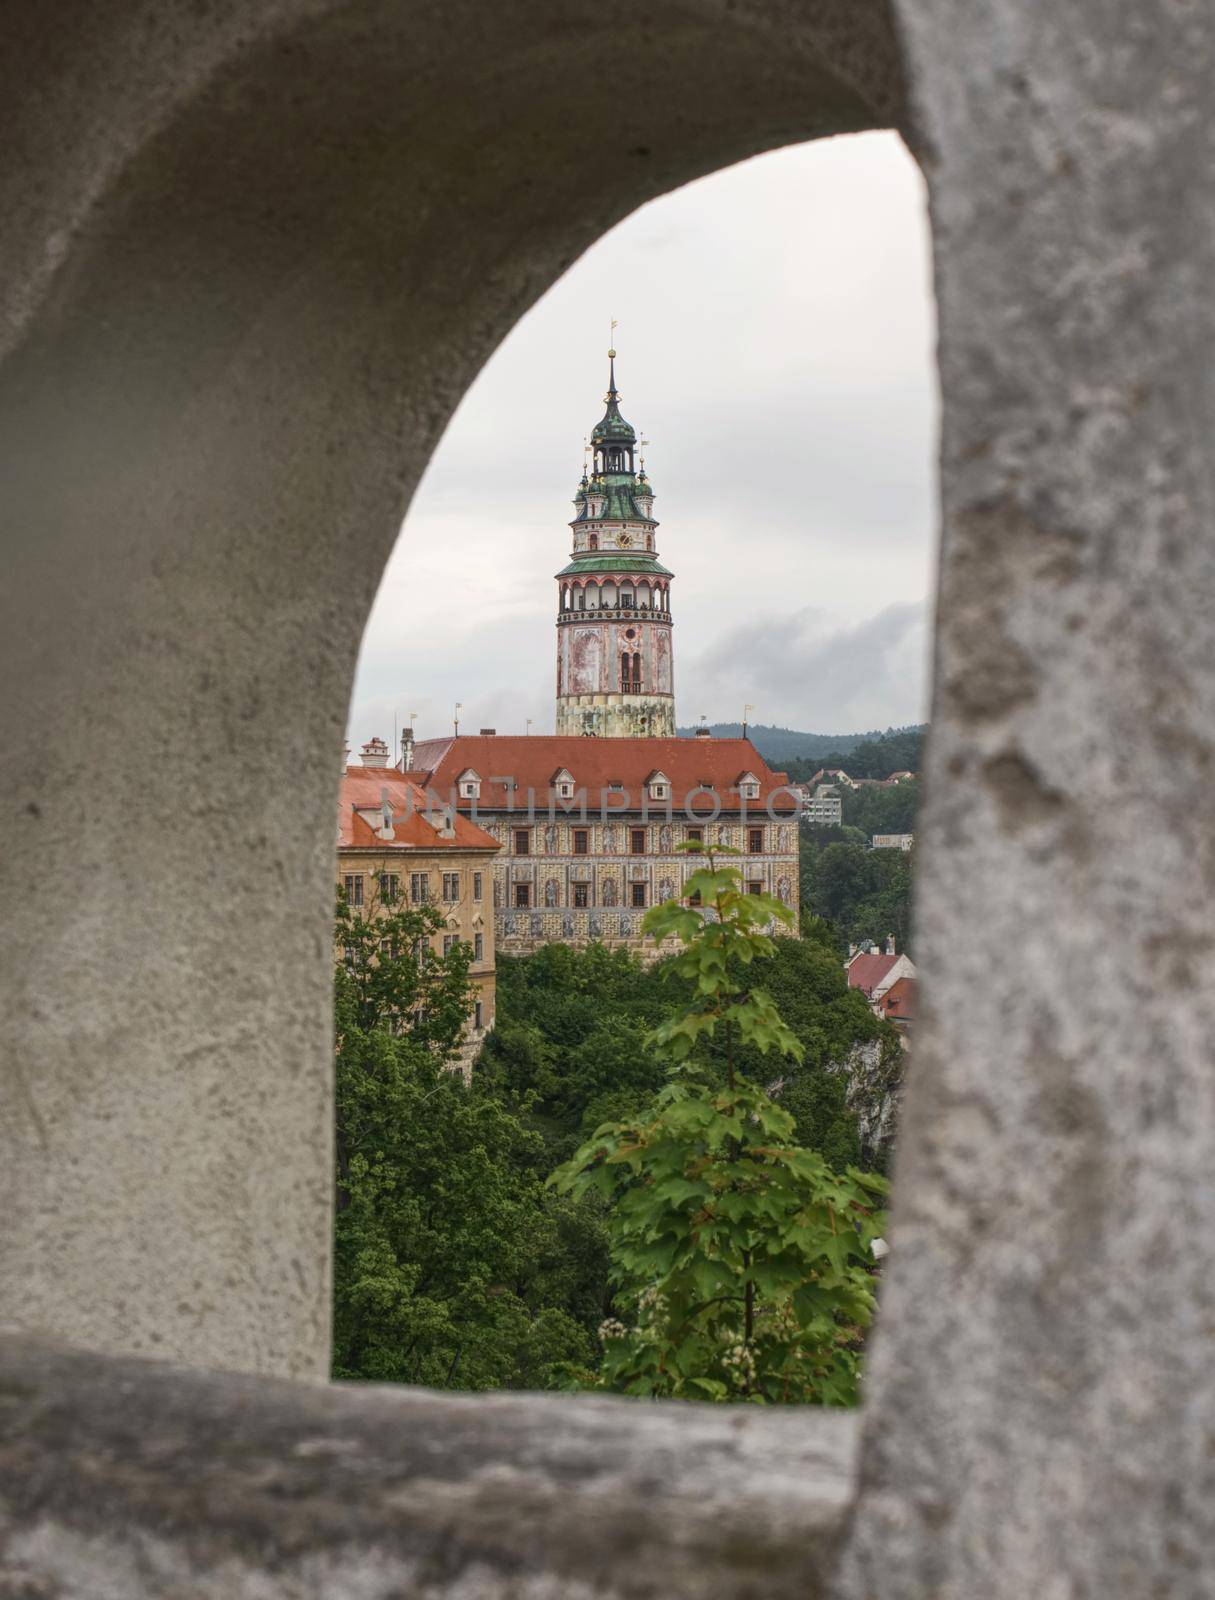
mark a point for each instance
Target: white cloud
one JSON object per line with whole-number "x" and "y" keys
{"x": 776, "y": 346}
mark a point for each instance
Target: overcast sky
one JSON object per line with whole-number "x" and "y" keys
{"x": 775, "y": 345}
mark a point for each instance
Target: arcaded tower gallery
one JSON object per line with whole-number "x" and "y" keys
{"x": 614, "y": 668}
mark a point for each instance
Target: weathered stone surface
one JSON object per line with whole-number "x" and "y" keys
{"x": 874, "y": 1075}
{"x": 120, "y": 1477}
{"x": 251, "y": 258}
{"x": 1042, "y": 1396}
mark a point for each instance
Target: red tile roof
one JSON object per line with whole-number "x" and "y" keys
{"x": 366, "y": 789}
{"x": 901, "y": 1001}
{"x": 866, "y": 971}
{"x": 595, "y": 765}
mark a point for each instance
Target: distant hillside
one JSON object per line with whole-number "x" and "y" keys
{"x": 781, "y": 746}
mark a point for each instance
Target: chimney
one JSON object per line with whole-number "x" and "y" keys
{"x": 374, "y": 753}
{"x": 488, "y": 733}
{"x": 703, "y": 733}
{"x": 890, "y": 950}
{"x": 852, "y": 950}
{"x": 406, "y": 749}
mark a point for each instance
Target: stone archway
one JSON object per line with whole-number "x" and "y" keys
{"x": 280, "y": 250}
{"x": 253, "y": 256}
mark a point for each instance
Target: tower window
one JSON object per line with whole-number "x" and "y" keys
{"x": 592, "y": 541}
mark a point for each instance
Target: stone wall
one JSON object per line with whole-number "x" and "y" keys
{"x": 252, "y": 257}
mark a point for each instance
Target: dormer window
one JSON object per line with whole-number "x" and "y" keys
{"x": 563, "y": 784}
{"x": 748, "y": 786}
{"x": 469, "y": 783}
{"x": 659, "y": 786}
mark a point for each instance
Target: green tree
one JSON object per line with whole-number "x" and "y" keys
{"x": 741, "y": 1260}
{"x": 453, "y": 1266}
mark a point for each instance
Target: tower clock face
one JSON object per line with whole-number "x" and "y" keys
{"x": 624, "y": 541}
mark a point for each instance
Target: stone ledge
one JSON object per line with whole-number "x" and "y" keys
{"x": 145, "y": 1479}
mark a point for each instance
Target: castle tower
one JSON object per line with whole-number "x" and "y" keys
{"x": 615, "y": 673}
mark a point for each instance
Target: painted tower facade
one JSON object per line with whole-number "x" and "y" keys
{"x": 615, "y": 665}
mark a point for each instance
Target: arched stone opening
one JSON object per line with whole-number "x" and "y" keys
{"x": 252, "y": 260}
{"x": 282, "y": 249}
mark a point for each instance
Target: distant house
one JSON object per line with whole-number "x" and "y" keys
{"x": 832, "y": 775}
{"x": 892, "y": 841}
{"x": 900, "y": 1003}
{"x": 874, "y": 972}
{"x": 822, "y": 805}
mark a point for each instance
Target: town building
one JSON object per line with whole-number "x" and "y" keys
{"x": 892, "y": 841}
{"x": 590, "y": 828}
{"x": 822, "y": 805}
{"x": 395, "y": 848}
{"x": 590, "y": 819}
{"x": 900, "y": 1004}
{"x": 615, "y": 668}
{"x": 874, "y": 972}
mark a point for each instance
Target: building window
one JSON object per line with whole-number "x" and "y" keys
{"x": 449, "y": 942}
{"x": 593, "y": 541}
{"x": 354, "y": 888}
{"x": 477, "y": 1013}
{"x": 638, "y": 893}
{"x": 582, "y": 894}
{"x": 696, "y": 835}
{"x": 390, "y": 888}
{"x": 419, "y": 887}
{"x": 523, "y": 842}
{"x": 478, "y": 947}
{"x": 754, "y": 886}
{"x": 523, "y": 894}
{"x": 477, "y": 886}
{"x": 348, "y": 954}
{"x": 637, "y": 841}
{"x": 451, "y": 886}
{"x": 755, "y": 841}
{"x": 694, "y": 898}
{"x": 582, "y": 841}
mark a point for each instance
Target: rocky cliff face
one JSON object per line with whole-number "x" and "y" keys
{"x": 874, "y": 1073}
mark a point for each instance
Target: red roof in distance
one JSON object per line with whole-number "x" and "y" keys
{"x": 367, "y": 788}
{"x": 867, "y": 970}
{"x": 596, "y": 765}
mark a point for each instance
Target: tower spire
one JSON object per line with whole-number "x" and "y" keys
{"x": 614, "y": 656}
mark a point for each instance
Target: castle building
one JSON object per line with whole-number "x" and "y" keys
{"x": 396, "y": 849}
{"x": 615, "y": 668}
{"x": 589, "y": 820}
{"x": 589, "y": 829}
